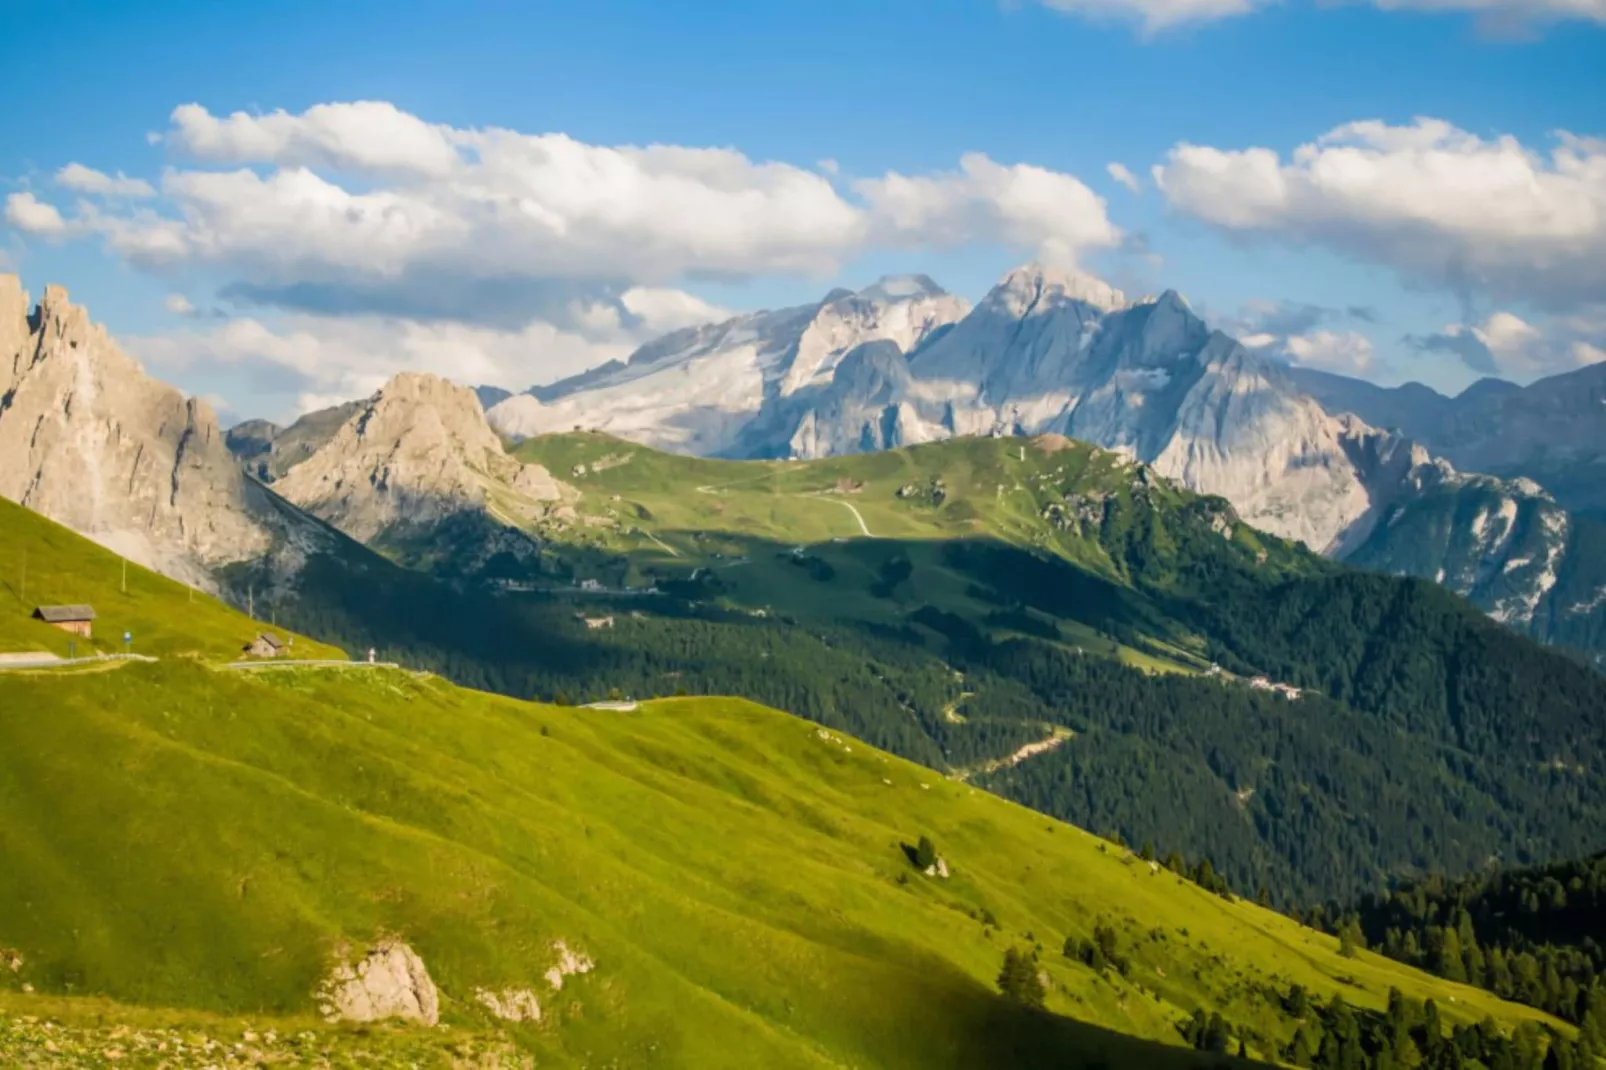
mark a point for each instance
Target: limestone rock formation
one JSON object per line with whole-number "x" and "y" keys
{"x": 416, "y": 465}
{"x": 389, "y": 982}
{"x": 91, "y": 441}
{"x": 729, "y": 388}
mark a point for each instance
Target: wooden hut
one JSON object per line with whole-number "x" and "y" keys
{"x": 79, "y": 620}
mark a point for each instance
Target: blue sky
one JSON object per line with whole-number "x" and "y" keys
{"x": 1396, "y": 249}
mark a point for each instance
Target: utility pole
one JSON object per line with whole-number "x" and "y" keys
{"x": 125, "y": 575}
{"x": 24, "y": 574}
{"x": 251, "y": 602}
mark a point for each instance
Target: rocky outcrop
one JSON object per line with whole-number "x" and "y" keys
{"x": 416, "y": 468}
{"x": 388, "y": 982}
{"x": 729, "y": 388}
{"x": 91, "y": 441}
{"x": 569, "y": 964}
{"x": 510, "y": 1004}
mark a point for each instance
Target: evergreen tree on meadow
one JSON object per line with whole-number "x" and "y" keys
{"x": 1019, "y": 980}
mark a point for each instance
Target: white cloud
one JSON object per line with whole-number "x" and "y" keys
{"x": 30, "y": 215}
{"x": 1157, "y": 15}
{"x": 364, "y": 135}
{"x": 1119, "y": 172}
{"x": 486, "y": 225}
{"x": 371, "y": 240}
{"x": 77, "y": 177}
{"x": 322, "y": 360}
{"x": 1504, "y": 344}
{"x": 1499, "y": 16}
{"x": 1020, "y": 205}
{"x": 659, "y": 311}
{"x": 1509, "y": 16}
{"x": 1441, "y": 206}
{"x": 1344, "y": 352}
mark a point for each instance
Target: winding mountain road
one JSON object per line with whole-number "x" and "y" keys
{"x": 857, "y": 516}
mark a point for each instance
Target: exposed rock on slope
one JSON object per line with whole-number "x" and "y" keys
{"x": 416, "y": 464}
{"x": 726, "y": 388}
{"x": 389, "y": 982}
{"x": 87, "y": 439}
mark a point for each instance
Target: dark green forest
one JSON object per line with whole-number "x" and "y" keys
{"x": 1536, "y": 934}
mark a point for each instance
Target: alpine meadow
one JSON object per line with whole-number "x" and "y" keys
{"x": 1027, "y": 536}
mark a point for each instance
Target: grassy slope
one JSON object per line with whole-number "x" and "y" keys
{"x": 182, "y": 837}
{"x": 51, "y": 565}
{"x": 671, "y": 513}
{"x": 183, "y": 849}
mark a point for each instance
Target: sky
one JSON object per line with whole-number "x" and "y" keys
{"x": 279, "y": 206}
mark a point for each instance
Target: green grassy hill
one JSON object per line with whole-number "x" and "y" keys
{"x": 182, "y": 838}
{"x": 43, "y": 563}
{"x": 648, "y": 515}
{"x": 1040, "y": 590}
{"x": 186, "y": 851}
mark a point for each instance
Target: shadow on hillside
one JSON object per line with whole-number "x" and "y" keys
{"x": 1000, "y": 1035}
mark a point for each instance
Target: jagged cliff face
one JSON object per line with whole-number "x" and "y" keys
{"x": 1057, "y": 352}
{"x": 89, "y": 440}
{"x": 1050, "y": 351}
{"x": 1552, "y": 431}
{"x": 418, "y": 460}
{"x": 727, "y": 389}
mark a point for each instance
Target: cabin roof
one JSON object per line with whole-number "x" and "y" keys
{"x": 65, "y": 614}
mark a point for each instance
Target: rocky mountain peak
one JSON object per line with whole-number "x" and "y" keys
{"x": 1036, "y": 287}
{"x": 92, "y": 442}
{"x": 411, "y": 456}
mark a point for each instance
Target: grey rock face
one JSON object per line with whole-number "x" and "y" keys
{"x": 268, "y": 451}
{"x": 89, "y": 440}
{"x": 413, "y": 462}
{"x": 1552, "y": 431}
{"x": 734, "y": 388}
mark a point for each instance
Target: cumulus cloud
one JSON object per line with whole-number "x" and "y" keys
{"x": 1119, "y": 172}
{"x": 179, "y": 305}
{"x": 81, "y": 179}
{"x": 30, "y": 215}
{"x": 1441, "y": 206}
{"x": 1506, "y": 345}
{"x": 1504, "y": 17}
{"x": 983, "y": 201}
{"x": 1343, "y": 352}
{"x": 363, "y": 136}
{"x": 304, "y": 362}
{"x": 362, "y": 208}
{"x": 1309, "y": 335}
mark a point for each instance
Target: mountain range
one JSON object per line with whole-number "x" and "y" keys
{"x": 1334, "y": 463}
{"x": 953, "y": 579}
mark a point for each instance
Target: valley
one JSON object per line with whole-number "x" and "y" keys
{"x": 1015, "y": 635}
{"x": 270, "y": 826}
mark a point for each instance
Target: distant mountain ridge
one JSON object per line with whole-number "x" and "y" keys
{"x": 710, "y": 390}
{"x": 1059, "y": 352}
{"x": 1552, "y": 431}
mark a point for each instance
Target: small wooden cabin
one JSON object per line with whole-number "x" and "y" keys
{"x": 78, "y": 620}
{"x": 266, "y": 645}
